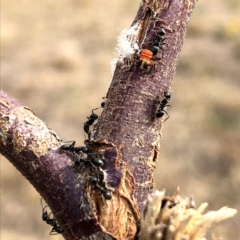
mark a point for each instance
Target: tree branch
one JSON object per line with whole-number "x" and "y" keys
{"x": 33, "y": 148}
{"x": 126, "y": 136}
{"x": 128, "y": 120}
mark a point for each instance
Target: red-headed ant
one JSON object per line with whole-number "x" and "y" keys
{"x": 163, "y": 104}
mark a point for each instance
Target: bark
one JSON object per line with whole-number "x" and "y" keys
{"x": 126, "y": 137}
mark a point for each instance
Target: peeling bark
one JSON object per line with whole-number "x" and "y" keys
{"x": 126, "y": 137}
{"x": 33, "y": 148}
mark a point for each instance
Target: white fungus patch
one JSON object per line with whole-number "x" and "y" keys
{"x": 126, "y": 45}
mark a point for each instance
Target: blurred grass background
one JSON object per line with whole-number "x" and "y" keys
{"x": 55, "y": 59}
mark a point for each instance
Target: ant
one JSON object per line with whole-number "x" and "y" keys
{"x": 91, "y": 119}
{"x": 70, "y": 146}
{"x": 103, "y": 102}
{"x": 163, "y": 104}
{"x": 96, "y": 162}
{"x": 51, "y": 221}
{"x": 159, "y": 42}
{"x": 146, "y": 57}
{"x": 106, "y": 194}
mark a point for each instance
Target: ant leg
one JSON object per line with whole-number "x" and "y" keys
{"x": 51, "y": 214}
{"x": 90, "y": 162}
{"x": 41, "y": 203}
{"x": 129, "y": 68}
{"x": 67, "y": 147}
{"x": 53, "y": 231}
{"x": 72, "y": 145}
{"x": 168, "y": 29}
{"x": 136, "y": 50}
{"x": 84, "y": 135}
{"x": 159, "y": 58}
{"x": 162, "y": 52}
{"x": 94, "y": 110}
{"x": 166, "y": 117}
{"x": 161, "y": 47}
{"x": 163, "y": 43}
{"x": 158, "y": 20}
{"x": 43, "y": 208}
{"x": 153, "y": 68}
{"x": 161, "y": 40}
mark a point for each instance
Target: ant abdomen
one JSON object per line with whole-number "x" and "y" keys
{"x": 95, "y": 182}
{"x": 162, "y": 106}
{"x": 97, "y": 162}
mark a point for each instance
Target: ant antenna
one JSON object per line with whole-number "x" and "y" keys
{"x": 43, "y": 208}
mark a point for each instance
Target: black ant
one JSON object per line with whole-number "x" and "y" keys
{"x": 91, "y": 119}
{"x": 106, "y": 194}
{"x": 51, "y": 221}
{"x": 103, "y": 103}
{"x": 94, "y": 162}
{"x": 146, "y": 57}
{"x": 70, "y": 146}
{"x": 97, "y": 162}
{"x": 159, "y": 41}
{"x": 163, "y": 104}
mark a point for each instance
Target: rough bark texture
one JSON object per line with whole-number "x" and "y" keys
{"x": 33, "y": 148}
{"x": 128, "y": 120}
{"x": 126, "y": 138}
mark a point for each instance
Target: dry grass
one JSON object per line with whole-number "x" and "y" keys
{"x": 175, "y": 218}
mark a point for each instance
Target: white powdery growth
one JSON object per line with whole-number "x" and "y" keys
{"x": 126, "y": 45}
